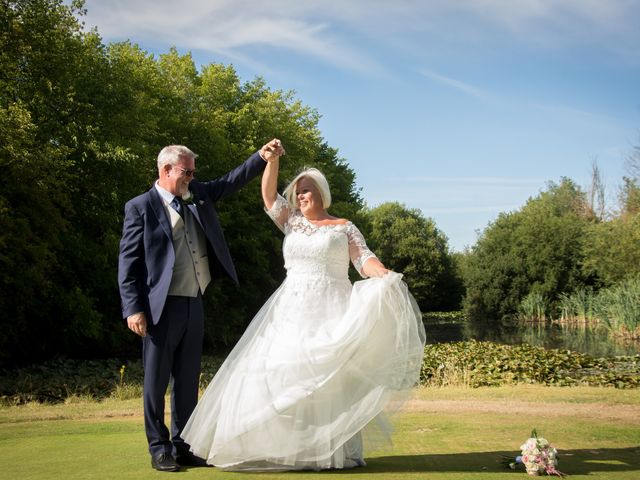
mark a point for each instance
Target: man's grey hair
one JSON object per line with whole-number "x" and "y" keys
{"x": 172, "y": 153}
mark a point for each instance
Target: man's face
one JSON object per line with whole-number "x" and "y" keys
{"x": 178, "y": 176}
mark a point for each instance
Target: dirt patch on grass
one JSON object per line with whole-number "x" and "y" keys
{"x": 625, "y": 413}
{"x": 598, "y": 408}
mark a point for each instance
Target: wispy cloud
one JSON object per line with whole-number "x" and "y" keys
{"x": 477, "y": 180}
{"x": 457, "y": 195}
{"x": 555, "y": 24}
{"x": 456, "y": 84}
{"x": 469, "y": 209}
{"x": 229, "y": 28}
{"x": 527, "y": 13}
{"x": 346, "y": 35}
{"x": 559, "y": 110}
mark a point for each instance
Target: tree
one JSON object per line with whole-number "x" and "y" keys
{"x": 408, "y": 243}
{"x": 81, "y": 125}
{"x": 630, "y": 190}
{"x": 612, "y": 248}
{"x": 47, "y": 65}
{"x": 537, "y": 249}
{"x": 597, "y": 192}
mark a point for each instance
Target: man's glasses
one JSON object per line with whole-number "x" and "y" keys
{"x": 186, "y": 172}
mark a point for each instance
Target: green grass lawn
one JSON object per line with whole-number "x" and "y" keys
{"x": 449, "y": 433}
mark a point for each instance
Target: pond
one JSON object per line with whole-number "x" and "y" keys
{"x": 594, "y": 342}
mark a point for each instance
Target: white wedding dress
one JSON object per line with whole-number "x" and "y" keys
{"x": 319, "y": 362}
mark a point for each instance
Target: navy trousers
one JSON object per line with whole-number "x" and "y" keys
{"x": 171, "y": 351}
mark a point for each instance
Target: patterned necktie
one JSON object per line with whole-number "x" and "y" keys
{"x": 176, "y": 203}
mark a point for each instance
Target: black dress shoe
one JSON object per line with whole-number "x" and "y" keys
{"x": 165, "y": 463}
{"x": 188, "y": 459}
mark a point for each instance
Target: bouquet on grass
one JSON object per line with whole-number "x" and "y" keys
{"x": 538, "y": 457}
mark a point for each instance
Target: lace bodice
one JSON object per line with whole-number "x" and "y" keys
{"x": 310, "y": 249}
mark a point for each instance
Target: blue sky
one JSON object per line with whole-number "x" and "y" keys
{"x": 460, "y": 108}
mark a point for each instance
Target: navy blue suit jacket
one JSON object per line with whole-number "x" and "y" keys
{"x": 147, "y": 256}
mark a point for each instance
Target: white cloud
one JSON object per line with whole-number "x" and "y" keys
{"x": 456, "y": 84}
{"x": 227, "y": 28}
{"x": 456, "y": 195}
{"x": 506, "y": 181}
{"x": 552, "y": 22}
{"x": 558, "y": 110}
{"x": 464, "y": 210}
{"x": 345, "y": 34}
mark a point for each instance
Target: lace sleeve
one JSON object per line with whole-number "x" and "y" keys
{"x": 358, "y": 250}
{"x": 279, "y": 212}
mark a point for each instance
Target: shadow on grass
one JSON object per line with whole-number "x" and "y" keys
{"x": 572, "y": 462}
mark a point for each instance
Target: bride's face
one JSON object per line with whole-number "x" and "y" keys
{"x": 308, "y": 196}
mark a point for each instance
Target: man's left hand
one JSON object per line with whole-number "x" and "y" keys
{"x": 272, "y": 151}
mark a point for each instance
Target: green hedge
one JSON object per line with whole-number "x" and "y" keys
{"x": 471, "y": 363}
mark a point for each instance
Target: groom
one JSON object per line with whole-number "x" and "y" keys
{"x": 172, "y": 246}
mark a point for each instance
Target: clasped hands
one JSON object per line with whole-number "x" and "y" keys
{"x": 272, "y": 150}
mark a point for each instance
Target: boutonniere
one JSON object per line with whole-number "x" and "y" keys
{"x": 190, "y": 198}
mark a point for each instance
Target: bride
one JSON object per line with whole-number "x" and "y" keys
{"x": 322, "y": 359}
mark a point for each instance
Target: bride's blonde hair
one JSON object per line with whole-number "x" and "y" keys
{"x": 318, "y": 179}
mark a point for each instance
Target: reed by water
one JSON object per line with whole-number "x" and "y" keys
{"x": 616, "y": 309}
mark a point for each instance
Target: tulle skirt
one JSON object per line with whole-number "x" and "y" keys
{"x": 319, "y": 362}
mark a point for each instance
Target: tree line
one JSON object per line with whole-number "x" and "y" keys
{"x": 81, "y": 123}
{"x": 563, "y": 255}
